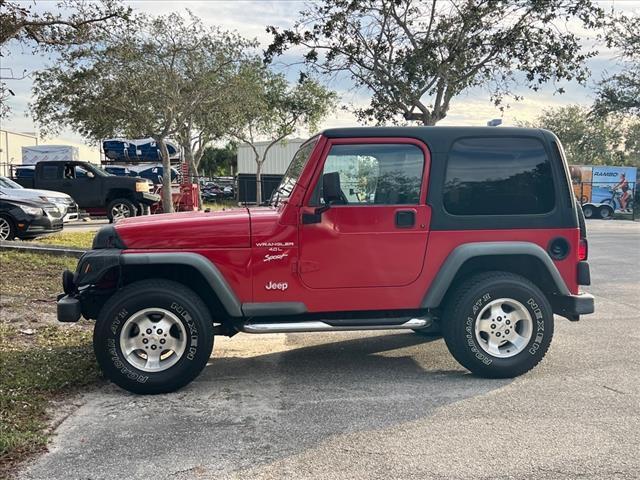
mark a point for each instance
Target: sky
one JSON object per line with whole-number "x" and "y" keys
{"x": 249, "y": 18}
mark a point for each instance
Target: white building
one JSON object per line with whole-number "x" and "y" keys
{"x": 277, "y": 161}
{"x": 11, "y": 144}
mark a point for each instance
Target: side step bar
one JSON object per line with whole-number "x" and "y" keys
{"x": 320, "y": 326}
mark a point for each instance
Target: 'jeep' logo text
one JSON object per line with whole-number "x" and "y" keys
{"x": 277, "y": 286}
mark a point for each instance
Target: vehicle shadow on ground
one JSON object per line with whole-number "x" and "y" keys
{"x": 251, "y": 412}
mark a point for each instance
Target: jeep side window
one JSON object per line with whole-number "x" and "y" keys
{"x": 376, "y": 174}
{"x": 498, "y": 176}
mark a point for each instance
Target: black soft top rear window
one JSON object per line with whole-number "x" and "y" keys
{"x": 498, "y": 176}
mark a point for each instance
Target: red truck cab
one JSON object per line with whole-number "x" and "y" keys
{"x": 473, "y": 232}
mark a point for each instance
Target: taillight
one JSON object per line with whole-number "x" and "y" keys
{"x": 583, "y": 249}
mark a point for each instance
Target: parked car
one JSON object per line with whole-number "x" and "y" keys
{"x": 67, "y": 206}
{"x": 27, "y": 218}
{"x": 212, "y": 192}
{"x": 475, "y": 230}
{"x": 93, "y": 189}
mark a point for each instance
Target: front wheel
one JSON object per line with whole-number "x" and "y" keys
{"x": 7, "y": 230}
{"x": 588, "y": 211}
{"x": 498, "y": 325}
{"x": 153, "y": 336}
{"x": 120, "y": 208}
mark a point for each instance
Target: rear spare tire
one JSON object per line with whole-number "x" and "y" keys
{"x": 153, "y": 336}
{"x": 498, "y": 325}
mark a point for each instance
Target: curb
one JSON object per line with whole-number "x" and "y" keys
{"x": 41, "y": 249}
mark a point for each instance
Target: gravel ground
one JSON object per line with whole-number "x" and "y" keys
{"x": 384, "y": 405}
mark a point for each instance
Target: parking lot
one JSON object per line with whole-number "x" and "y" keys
{"x": 383, "y": 405}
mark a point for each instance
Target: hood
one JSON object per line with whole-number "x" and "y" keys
{"x": 34, "y": 194}
{"x": 187, "y": 230}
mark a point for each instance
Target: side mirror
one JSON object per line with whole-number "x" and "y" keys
{"x": 90, "y": 175}
{"x": 331, "y": 192}
{"x": 331, "y": 187}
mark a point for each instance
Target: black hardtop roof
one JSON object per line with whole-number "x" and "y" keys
{"x": 437, "y": 138}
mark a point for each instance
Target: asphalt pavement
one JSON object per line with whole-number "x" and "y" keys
{"x": 384, "y": 405}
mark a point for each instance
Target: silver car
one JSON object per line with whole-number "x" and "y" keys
{"x": 66, "y": 205}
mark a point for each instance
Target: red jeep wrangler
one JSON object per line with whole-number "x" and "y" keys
{"x": 473, "y": 230}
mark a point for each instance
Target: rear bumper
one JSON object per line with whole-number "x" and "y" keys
{"x": 572, "y": 306}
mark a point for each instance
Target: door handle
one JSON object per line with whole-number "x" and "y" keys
{"x": 405, "y": 218}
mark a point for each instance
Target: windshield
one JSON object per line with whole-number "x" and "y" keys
{"x": 292, "y": 174}
{"x": 96, "y": 170}
{"x": 8, "y": 183}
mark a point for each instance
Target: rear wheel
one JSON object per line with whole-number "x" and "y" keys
{"x": 120, "y": 208}
{"x": 498, "y": 325}
{"x": 605, "y": 212}
{"x": 7, "y": 230}
{"x": 153, "y": 336}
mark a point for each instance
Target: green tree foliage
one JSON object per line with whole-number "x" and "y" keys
{"x": 219, "y": 161}
{"x": 620, "y": 93}
{"x": 611, "y": 140}
{"x": 151, "y": 81}
{"x": 70, "y": 23}
{"x": 416, "y": 56}
{"x": 271, "y": 109}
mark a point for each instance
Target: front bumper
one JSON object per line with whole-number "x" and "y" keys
{"x": 72, "y": 213}
{"x": 147, "y": 198}
{"x": 40, "y": 225}
{"x": 68, "y": 308}
{"x": 572, "y": 306}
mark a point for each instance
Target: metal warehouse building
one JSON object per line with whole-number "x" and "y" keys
{"x": 273, "y": 168}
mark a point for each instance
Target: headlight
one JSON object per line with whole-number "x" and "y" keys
{"x": 142, "y": 187}
{"x": 31, "y": 210}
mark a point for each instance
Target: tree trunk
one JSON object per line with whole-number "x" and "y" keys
{"x": 167, "y": 200}
{"x": 258, "y": 182}
{"x": 193, "y": 169}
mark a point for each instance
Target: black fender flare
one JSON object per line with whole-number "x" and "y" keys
{"x": 467, "y": 251}
{"x": 208, "y": 270}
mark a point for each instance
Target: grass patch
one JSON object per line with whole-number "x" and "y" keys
{"x": 69, "y": 239}
{"x": 32, "y": 276}
{"x": 40, "y": 360}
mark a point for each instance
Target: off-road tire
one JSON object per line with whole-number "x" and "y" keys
{"x": 461, "y": 314}
{"x": 9, "y": 229}
{"x": 156, "y": 293}
{"x": 125, "y": 203}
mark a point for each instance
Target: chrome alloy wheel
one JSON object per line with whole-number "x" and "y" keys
{"x": 503, "y": 328}
{"x": 120, "y": 211}
{"x": 5, "y": 228}
{"x": 153, "y": 339}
